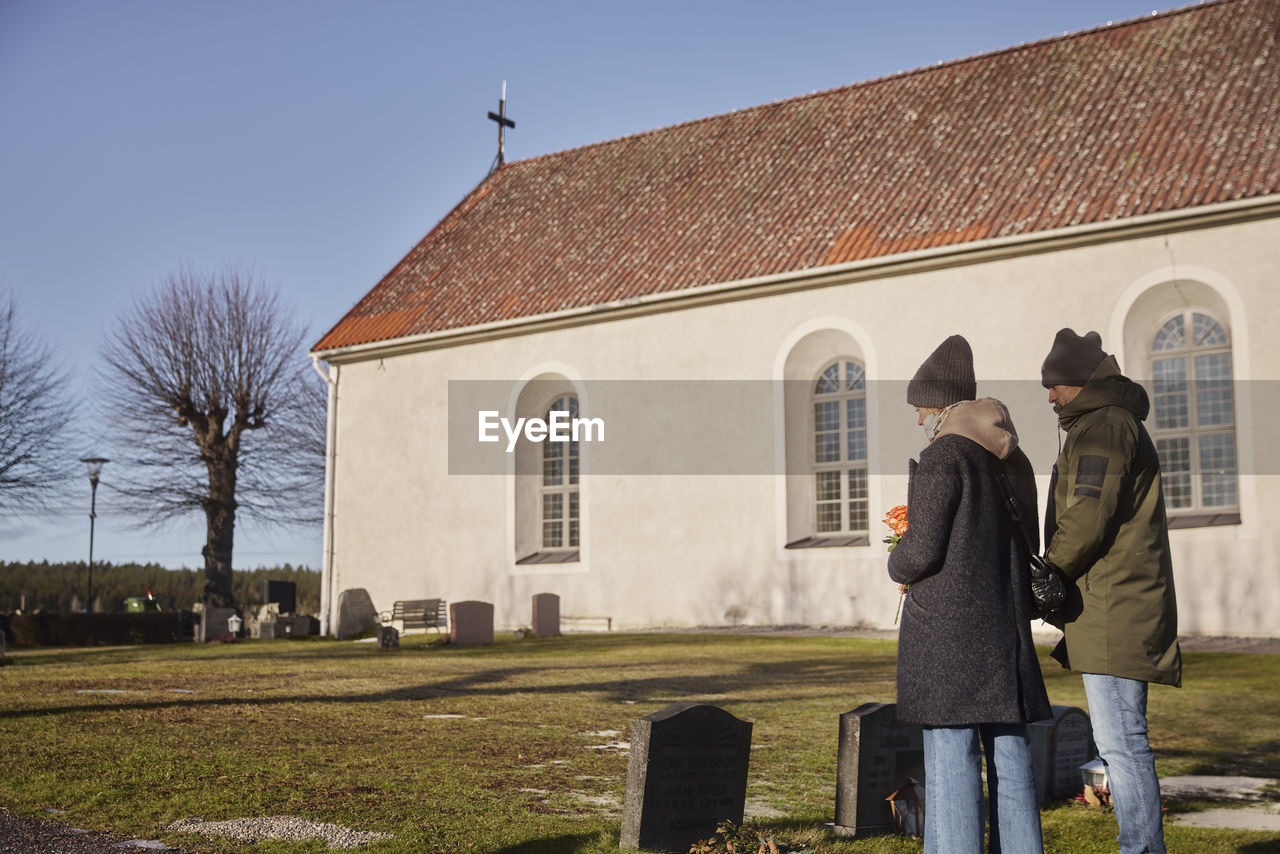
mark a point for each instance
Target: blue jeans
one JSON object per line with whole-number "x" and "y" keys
{"x": 1118, "y": 712}
{"x": 953, "y": 790}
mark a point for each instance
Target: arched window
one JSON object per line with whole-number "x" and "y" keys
{"x": 560, "y": 483}
{"x": 840, "y": 449}
{"x": 1195, "y": 424}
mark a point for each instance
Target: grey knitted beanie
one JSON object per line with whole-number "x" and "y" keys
{"x": 946, "y": 377}
{"x": 1072, "y": 359}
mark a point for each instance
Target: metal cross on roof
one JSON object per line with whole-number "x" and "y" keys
{"x": 503, "y": 123}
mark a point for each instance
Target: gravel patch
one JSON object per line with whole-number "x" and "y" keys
{"x": 286, "y": 827}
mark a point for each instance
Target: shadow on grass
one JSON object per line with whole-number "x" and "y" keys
{"x": 1265, "y": 847}
{"x": 1260, "y": 760}
{"x": 499, "y": 682}
{"x": 565, "y": 844}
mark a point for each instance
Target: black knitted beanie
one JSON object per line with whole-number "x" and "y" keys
{"x": 1072, "y": 359}
{"x": 946, "y": 377}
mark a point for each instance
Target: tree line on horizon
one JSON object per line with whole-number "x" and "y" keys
{"x": 60, "y": 587}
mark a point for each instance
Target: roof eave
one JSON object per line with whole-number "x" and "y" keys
{"x": 1224, "y": 213}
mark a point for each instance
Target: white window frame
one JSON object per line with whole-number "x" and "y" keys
{"x": 569, "y": 532}
{"x": 1194, "y": 386}
{"x": 843, "y": 464}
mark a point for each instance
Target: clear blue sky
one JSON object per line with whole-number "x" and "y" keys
{"x": 316, "y": 141}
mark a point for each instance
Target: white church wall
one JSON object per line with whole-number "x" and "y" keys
{"x": 684, "y": 550}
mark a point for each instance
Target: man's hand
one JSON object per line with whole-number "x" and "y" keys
{"x": 1047, "y": 589}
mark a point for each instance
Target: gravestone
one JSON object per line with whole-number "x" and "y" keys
{"x": 1059, "y": 746}
{"x": 296, "y": 626}
{"x": 213, "y": 623}
{"x": 876, "y": 754}
{"x": 356, "y": 613}
{"x": 283, "y": 593}
{"x": 471, "y": 622}
{"x": 262, "y": 625}
{"x": 687, "y": 773}
{"x": 546, "y": 615}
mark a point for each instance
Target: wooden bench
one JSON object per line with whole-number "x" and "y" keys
{"x": 421, "y": 614}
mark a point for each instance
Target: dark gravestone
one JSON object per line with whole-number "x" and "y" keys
{"x": 876, "y": 754}
{"x": 356, "y": 614}
{"x": 687, "y": 773}
{"x": 388, "y": 637}
{"x": 283, "y": 592}
{"x": 1059, "y": 746}
{"x": 297, "y": 626}
{"x": 214, "y": 623}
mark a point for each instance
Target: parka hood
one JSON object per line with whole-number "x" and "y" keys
{"x": 1106, "y": 387}
{"x": 985, "y": 421}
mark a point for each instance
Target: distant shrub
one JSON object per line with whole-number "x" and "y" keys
{"x": 69, "y": 629}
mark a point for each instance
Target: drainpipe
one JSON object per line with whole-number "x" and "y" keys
{"x": 331, "y": 454}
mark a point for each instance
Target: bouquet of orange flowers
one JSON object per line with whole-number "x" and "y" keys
{"x": 896, "y": 519}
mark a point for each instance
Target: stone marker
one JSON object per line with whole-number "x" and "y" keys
{"x": 1059, "y": 746}
{"x": 213, "y": 623}
{"x": 471, "y": 622}
{"x": 296, "y": 626}
{"x": 262, "y": 623}
{"x": 875, "y": 756}
{"x": 687, "y": 773}
{"x": 356, "y": 613}
{"x": 283, "y": 593}
{"x": 546, "y": 615}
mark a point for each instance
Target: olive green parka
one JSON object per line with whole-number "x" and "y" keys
{"x": 1106, "y": 530}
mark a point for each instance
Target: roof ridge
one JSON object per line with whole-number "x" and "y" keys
{"x": 876, "y": 81}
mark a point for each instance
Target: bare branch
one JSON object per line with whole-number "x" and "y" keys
{"x": 35, "y": 419}
{"x": 212, "y": 401}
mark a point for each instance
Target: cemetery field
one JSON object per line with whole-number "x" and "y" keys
{"x": 518, "y": 747}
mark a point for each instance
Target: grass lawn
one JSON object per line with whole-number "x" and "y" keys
{"x": 513, "y": 747}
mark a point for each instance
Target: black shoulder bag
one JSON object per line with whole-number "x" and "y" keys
{"x": 1047, "y": 590}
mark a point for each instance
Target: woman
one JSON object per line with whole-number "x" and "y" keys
{"x": 967, "y": 669}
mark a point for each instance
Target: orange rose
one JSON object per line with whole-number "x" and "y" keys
{"x": 896, "y": 519}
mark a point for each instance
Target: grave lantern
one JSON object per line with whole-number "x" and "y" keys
{"x": 234, "y": 623}
{"x": 1095, "y": 774}
{"x": 908, "y": 808}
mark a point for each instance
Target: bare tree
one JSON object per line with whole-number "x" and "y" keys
{"x": 213, "y": 401}
{"x": 35, "y": 414}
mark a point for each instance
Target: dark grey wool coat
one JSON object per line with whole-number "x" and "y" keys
{"x": 965, "y": 654}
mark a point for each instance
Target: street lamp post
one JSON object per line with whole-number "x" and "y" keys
{"x": 95, "y": 468}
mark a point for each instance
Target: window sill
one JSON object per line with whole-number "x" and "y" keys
{"x": 549, "y": 557}
{"x": 1203, "y": 520}
{"x": 830, "y": 541}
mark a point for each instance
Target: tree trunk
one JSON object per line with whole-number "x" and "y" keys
{"x": 220, "y": 517}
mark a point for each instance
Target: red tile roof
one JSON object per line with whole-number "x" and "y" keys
{"x": 1173, "y": 111}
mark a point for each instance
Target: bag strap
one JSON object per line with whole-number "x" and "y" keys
{"x": 1010, "y": 501}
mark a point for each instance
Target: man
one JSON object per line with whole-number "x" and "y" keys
{"x": 1107, "y": 532}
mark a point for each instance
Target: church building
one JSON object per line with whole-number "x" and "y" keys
{"x": 663, "y": 376}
